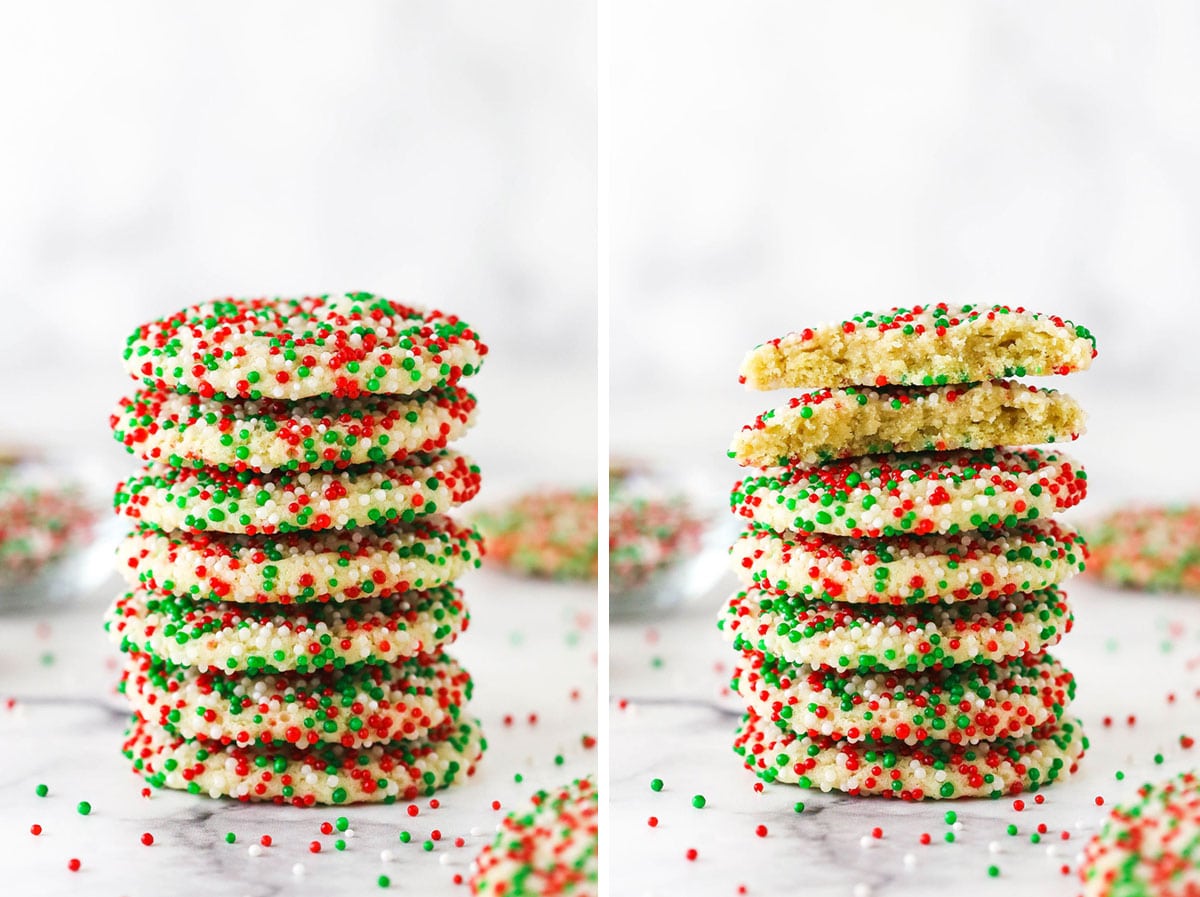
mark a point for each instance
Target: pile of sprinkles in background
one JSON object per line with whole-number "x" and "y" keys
{"x": 291, "y": 565}
{"x": 40, "y": 523}
{"x": 547, "y": 533}
{"x": 1152, "y": 547}
{"x": 901, "y": 569}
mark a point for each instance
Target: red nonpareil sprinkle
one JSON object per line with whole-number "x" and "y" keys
{"x": 877, "y": 832}
{"x": 925, "y": 838}
{"x": 652, "y": 822}
{"x": 73, "y": 864}
{"x": 314, "y": 846}
{"x": 1099, "y": 800}
{"x": 265, "y": 840}
{"x": 413, "y": 809}
{"x": 35, "y": 829}
{"x": 761, "y": 830}
{"x": 327, "y": 828}
{"x": 692, "y": 853}
{"x": 147, "y": 838}
{"x": 495, "y": 805}
{"x": 1018, "y": 805}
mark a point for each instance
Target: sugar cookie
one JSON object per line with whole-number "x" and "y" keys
{"x": 266, "y": 638}
{"x": 831, "y": 424}
{"x": 888, "y": 495}
{"x": 870, "y": 637}
{"x": 933, "y": 770}
{"x": 930, "y": 345}
{"x": 300, "y": 567}
{"x": 974, "y": 564}
{"x": 295, "y": 348}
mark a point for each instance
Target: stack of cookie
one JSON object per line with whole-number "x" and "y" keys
{"x": 291, "y": 568}
{"x": 901, "y": 568}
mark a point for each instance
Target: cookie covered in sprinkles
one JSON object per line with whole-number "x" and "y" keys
{"x": 929, "y": 345}
{"x": 320, "y": 433}
{"x": 292, "y": 349}
{"x": 200, "y": 499}
{"x": 322, "y": 774}
{"x": 831, "y": 424}
{"x": 931, "y": 770}
{"x": 893, "y": 494}
{"x": 301, "y": 567}
{"x": 549, "y": 848}
{"x": 963, "y": 704}
{"x": 876, "y": 637}
{"x": 356, "y": 706}
{"x": 269, "y": 638}
{"x": 1149, "y": 844}
{"x": 909, "y": 569}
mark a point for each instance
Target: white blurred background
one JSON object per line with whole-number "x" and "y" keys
{"x": 159, "y": 154}
{"x": 777, "y": 164}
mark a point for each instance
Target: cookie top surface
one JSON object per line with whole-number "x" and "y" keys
{"x": 266, "y": 638}
{"x": 874, "y": 637}
{"x": 553, "y": 533}
{"x": 831, "y": 424}
{"x": 300, "y": 567}
{"x": 1154, "y": 547}
{"x": 548, "y": 848}
{"x": 930, "y": 345}
{"x": 1148, "y": 846}
{"x": 911, "y": 569}
{"x": 355, "y": 707}
{"x": 268, "y": 434}
{"x": 206, "y": 499}
{"x": 932, "y": 770}
{"x": 282, "y": 348}
{"x": 921, "y": 493}
{"x": 302, "y": 777}
{"x": 962, "y": 705}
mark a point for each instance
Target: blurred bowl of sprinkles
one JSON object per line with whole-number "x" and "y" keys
{"x": 1154, "y": 548}
{"x": 548, "y": 533}
{"x": 48, "y": 534}
{"x": 664, "y": 549}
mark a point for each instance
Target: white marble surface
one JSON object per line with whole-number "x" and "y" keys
{"x": 531, "y": 648}
{"x": 1128, "y": 651}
